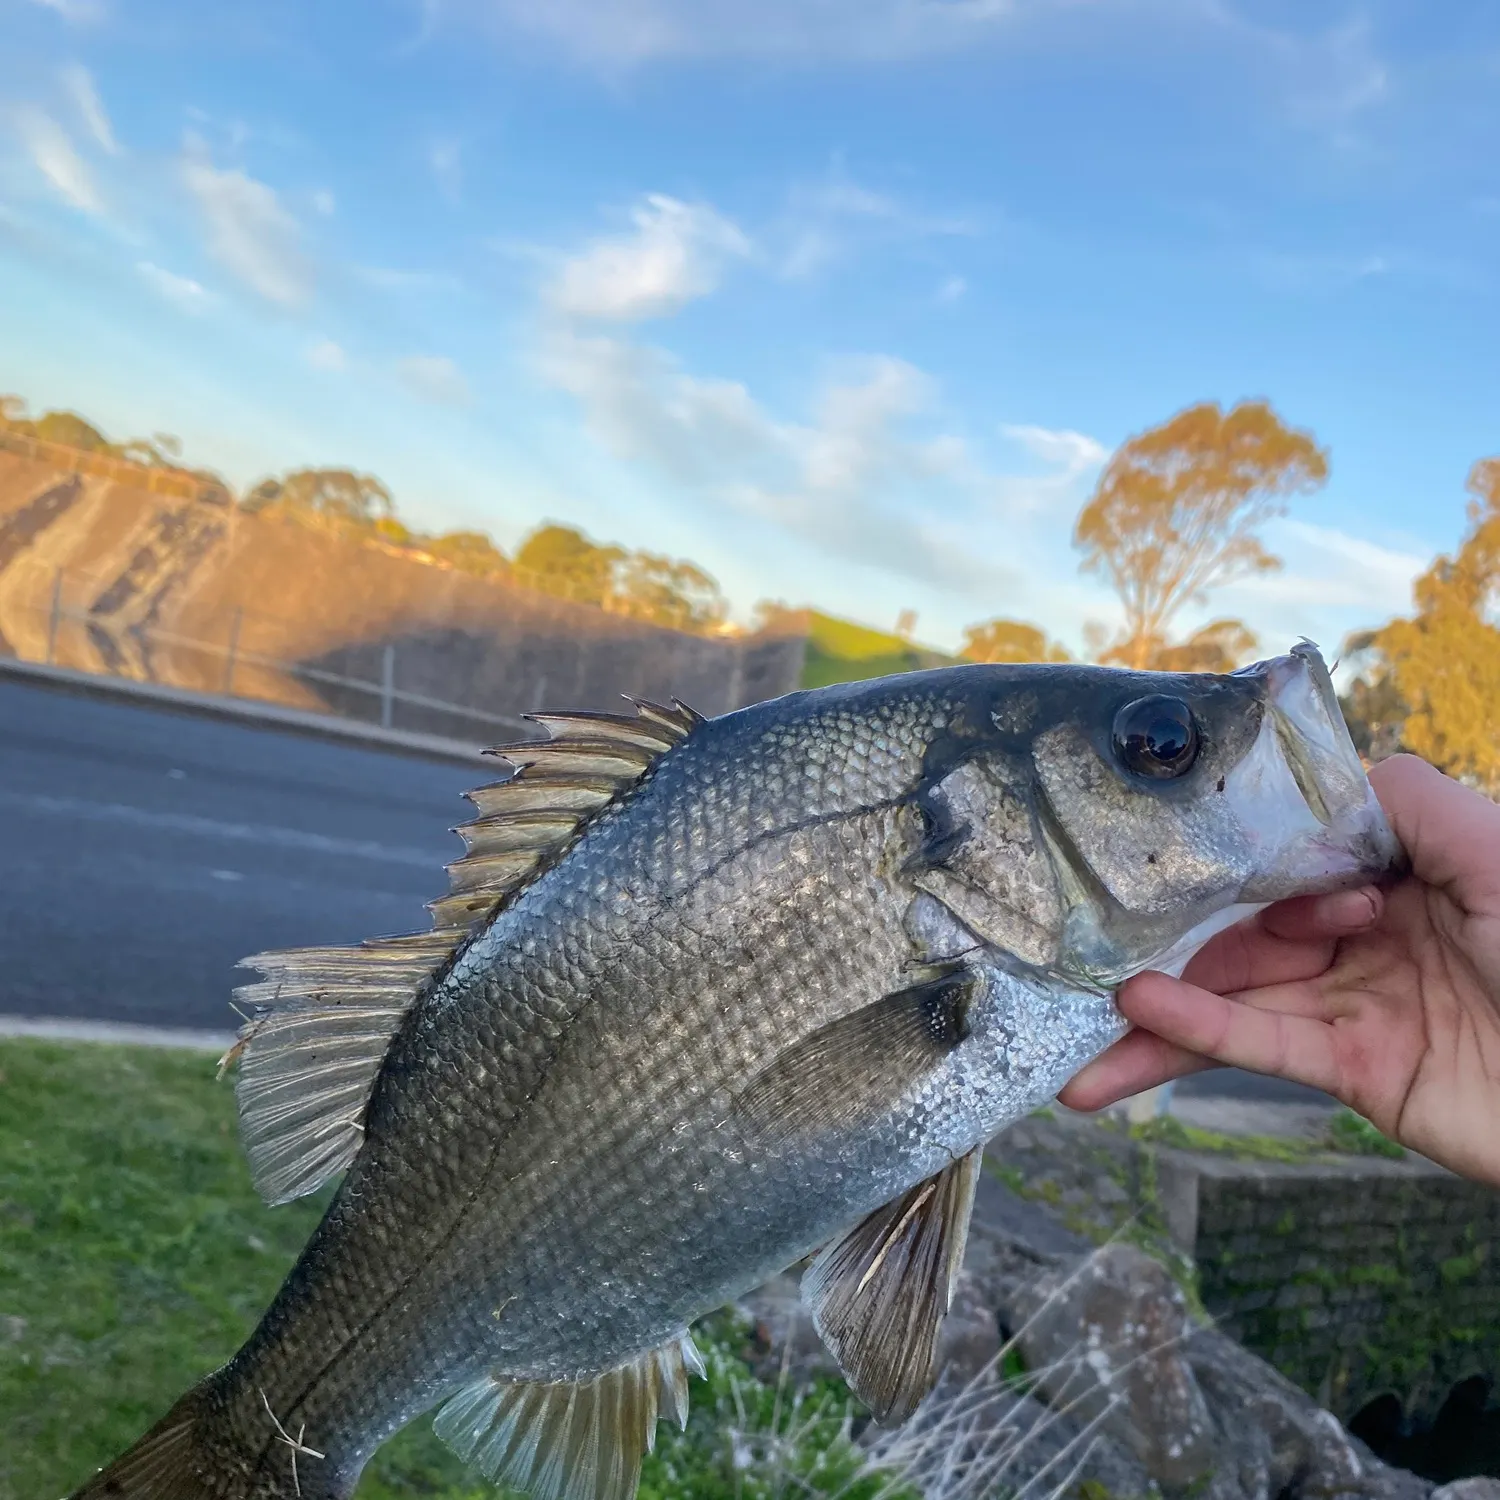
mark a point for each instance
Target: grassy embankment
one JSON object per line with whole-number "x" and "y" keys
{"x": 841, "y": 651}
{"x": 135, "y": 1257}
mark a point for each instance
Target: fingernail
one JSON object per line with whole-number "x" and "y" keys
{"x": 1349, "y": 909}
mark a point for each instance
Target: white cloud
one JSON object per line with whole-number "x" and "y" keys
{"x": 1334, "y": 569}
{"x": 951, "y": 289}
{"x": 435, "y": 378}
{"x": 74, "y": 12}
{"x": 249, "y": 231}
{"x": 676, "y": 254}
{"x": 825, "y": 220}
{"x": 181, "y": 291}
{"x": 863, "y": 480}
{"x": 444, "y": 160}
{"x": 323, "y": 203}
{"x": 393, "y": 279}
{"x": 79, "y": 86}
{"x": 1074, "y": 454}
{"x": 628, "y": 32}
{"x": 53, "y": 154}
{"x": 327, "y": 355}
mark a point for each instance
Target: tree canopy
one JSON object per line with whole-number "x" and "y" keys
{"x": 1177, "y": 513}
{"x": 1010, "y": 640}
{"x": 338, "y": 496}
{"x": 1437, "y": 672}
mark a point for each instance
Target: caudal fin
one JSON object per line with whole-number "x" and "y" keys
{"x": 166, "y": 1464}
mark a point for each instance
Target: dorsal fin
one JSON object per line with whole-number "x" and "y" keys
{"x": 325, "y": 1016}
{"x": 561, "y": 784}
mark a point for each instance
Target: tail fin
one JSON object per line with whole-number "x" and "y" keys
{"x": 170, "y": 1463}
{"x": 159, "y": 1467}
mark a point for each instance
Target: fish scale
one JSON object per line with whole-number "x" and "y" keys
{"x": 707, "y": 998}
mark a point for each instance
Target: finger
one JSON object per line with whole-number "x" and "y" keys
{"x": 1306, "y": 919}
{"x": 1289, "y": 941}
{"x": 1447, "y": 830}
{"x": 1139, "y": 1060}
{"x": 1280, "y": 1033}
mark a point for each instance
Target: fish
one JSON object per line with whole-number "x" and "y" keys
{"x": 709, "y": 998}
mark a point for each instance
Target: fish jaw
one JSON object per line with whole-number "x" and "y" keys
{"x": 1302, "y": 796}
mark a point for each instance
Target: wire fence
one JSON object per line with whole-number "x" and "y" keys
{"x": 468, "y": 669}
{"x": 127, "y": 648}
{"x": 150, "y": 477}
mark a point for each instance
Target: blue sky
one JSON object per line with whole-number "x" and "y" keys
{"x": 845, "y": 299}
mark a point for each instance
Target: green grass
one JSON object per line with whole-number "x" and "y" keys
{"x": 841, "y": 651}
{"x": 135, "y": 1256}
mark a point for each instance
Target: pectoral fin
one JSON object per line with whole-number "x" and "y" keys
{"x": 878, "y": 1296}
{"x": 858, "y": 1066}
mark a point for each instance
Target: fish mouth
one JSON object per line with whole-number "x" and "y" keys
{"x": 1304, "y": 791}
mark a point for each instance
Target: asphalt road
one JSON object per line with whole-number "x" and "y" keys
{"x": 144, "y": 852}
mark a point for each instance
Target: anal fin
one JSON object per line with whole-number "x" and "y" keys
{"x": 571, "y": 1441}
{"x": 879, "y": 1295}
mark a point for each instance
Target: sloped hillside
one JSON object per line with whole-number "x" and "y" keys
{"x": 108, "y": 576}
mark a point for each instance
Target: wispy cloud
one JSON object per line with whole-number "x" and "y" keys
{"x": 827, "y": 219}
{"x": 53, "y": 154}
{"x": 867, "y": 478}
{"x": 78, "y": 84}
{"x": 74, "y": 12}
{"x": 675, "y": 254}
{"x": 248, "y": 229}
{"x": 619, "y": 33}
{"x": 328, "y": 356}
{"x": 182, "y": 292}
{"x": 435, "y": 378}
{"x": 1073, "y": 454}
{"x": 950, "y": 290}
{"x": 398, "y": 279}
{"x": 445, "y": 160}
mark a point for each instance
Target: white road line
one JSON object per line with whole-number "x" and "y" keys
{"x": 247, "y": 833}
{"x": 58, "y": 1030}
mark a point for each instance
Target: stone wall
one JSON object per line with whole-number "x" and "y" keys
{"x": 1356, "y": 1276}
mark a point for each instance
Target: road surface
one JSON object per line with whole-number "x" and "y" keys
{"x": 144, "y": 852}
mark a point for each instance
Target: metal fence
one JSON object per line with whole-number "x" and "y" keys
{"x": 156, "y": 481}
{"x": 229, "y": 658}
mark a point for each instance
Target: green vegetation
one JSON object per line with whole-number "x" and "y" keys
{"x": 1355, "y": 1136}
{"x": 842, "y": 651}
{"x": 135, "y": 1257}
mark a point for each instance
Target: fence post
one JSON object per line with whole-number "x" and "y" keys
{"x": 234, "y": 646}
{"x": 55, "y": 616}
{"x": 387, "y": 686}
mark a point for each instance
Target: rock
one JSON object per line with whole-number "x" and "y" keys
{"x": 785, "y": 1339}
{"x": 1107, "y": 1340}
{"x": 979, "y": 1439}
{"x": 1278, "y": 1439}
{"x": 969, "y": 1339}
{"x": 1469, "y": 1489}
{"x": 1109, "y": 1330}
{"x": 786, "y": 1343}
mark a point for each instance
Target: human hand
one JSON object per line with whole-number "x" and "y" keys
{"x": 1389, "y": 1001}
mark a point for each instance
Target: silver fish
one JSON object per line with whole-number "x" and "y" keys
{"x": 708, "y": 997}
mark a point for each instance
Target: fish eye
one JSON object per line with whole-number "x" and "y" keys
{"x": 1156, "y": 737}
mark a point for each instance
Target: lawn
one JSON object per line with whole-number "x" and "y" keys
{"x": 135, "y": 1257}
